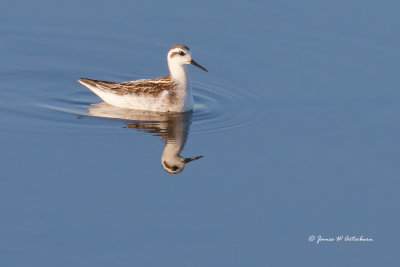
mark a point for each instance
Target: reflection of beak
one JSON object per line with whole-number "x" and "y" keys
{"x": 186, "y": 160}
{"x": 198, "y": 65}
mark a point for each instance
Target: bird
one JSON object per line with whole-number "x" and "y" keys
{"x": 169, "y": 93}
{"x": 172, "y": 128}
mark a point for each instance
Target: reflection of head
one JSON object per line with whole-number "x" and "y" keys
{"x": 172, "y": 128}
{"x": 176, "y": 164}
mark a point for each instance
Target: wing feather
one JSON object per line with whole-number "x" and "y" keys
{"x": 152, "y": 87}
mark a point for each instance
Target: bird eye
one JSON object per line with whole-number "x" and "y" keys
{"x": 181, "y": 53}
{"x": 174, "y": 168}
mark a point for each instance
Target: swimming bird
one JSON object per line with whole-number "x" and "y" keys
{"x": 169, "y": 93}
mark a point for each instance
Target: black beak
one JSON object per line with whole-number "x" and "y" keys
{"x": 198, "y": 65}
{"x": 186, "y": 160}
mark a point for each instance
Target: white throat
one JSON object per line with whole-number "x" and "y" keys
{"x": 179, "y": 74}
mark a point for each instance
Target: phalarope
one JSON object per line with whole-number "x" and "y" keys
{"x": 170, "y": 93}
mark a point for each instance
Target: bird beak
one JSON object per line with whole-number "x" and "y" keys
{"x": 198, "y": 65}
{"x": 186, "y": 160}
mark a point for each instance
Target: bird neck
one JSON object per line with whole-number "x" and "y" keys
{"x": 178, "y": 73}
{"x": 184, "y": 92}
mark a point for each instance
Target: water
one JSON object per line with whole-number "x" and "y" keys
{"x": 297, "y": 122}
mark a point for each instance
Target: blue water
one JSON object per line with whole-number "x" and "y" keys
{"x": 297, "y": 121}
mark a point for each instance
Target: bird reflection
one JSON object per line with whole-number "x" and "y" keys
{"x": 173, "y": 128}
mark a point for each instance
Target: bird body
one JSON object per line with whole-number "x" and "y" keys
{"x": 170, "y": 93}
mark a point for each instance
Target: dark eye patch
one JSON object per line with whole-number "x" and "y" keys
{"x": 181, "y": 53}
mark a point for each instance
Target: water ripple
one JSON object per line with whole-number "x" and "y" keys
{"x": 219, "y": 107}
{"x": 62, "y": 101}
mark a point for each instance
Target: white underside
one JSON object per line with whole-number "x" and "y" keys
{"x": 160, "y": 103}
{"x": 182, "y": 100}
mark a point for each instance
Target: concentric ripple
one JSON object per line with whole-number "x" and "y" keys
{"x": 48, "y": 98}
{"x": 219, "y": 107}
{"x": 57, "y": 98}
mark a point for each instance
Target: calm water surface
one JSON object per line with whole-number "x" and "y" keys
{"x": 297, "y": 122}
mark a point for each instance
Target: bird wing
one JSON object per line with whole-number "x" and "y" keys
{"x": 139, "y": 87}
